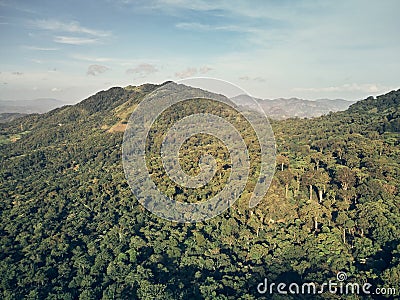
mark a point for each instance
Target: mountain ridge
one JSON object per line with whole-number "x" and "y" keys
{"x": 107, "y": 100}
{"x": 278, "y": 108}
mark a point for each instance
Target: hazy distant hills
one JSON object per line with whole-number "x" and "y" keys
{"x": 294, "y": 107}
{"x": 276, "y": 109}
{"x": 41, "y": 105}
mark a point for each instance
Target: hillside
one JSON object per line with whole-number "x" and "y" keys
{"x": 71, "y": 229}
{"x": 8, "y": 117}
{"x": 384, "y": 111}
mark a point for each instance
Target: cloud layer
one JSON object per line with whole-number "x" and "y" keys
{"x": 192, "y": 71}
{"x": 94, "y": 70}
{"x": 142, "y": 70}
{"x": 71, "y": 27}
{"x": 82, "y": 35}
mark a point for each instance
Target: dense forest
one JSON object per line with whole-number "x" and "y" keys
{"x": 71, "y": 229}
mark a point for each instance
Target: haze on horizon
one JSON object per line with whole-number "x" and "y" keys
{"x": 307, "y": 49}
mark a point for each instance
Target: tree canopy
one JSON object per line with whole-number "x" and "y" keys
{"x": 71, "y": 229}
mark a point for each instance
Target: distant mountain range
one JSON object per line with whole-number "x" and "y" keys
{"x": 294, "y": 107}
{"x": 39, "y": 106}
{"x": 276, "y": 109}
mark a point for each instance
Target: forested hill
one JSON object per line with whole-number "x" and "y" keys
{"x": 71, "y": 229}
{"x": 383, "y": 103}
{"x": 106, "y": 111}
{"x": 383, "y": 111}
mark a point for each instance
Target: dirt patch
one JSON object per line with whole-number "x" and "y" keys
{"x": 119, "y": 127}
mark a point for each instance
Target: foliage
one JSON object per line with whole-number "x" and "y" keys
{"x": 70, "y": 227}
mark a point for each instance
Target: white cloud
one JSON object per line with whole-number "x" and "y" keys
{"x": 143, "y": 69}
{"x": 92, "y": 59}
{"x": 259, "y": 79}
{"x": 72, "y": 40}
{"x": 82, "y": 35}
{"x": 193, "y": 26}
{"x": 205, "y": 69}
{"x": 247, "y": 78}
{"x": 41, "y": 48}
{"x": 96, "y": 69}
{"x": 18, "y": 7}
{"x": 242, "y": 8}
{"x": 209, "y": 27}
{"x": 266, "y": 35}
{"x": 116, "y": 61}
{"x": 198, "y": 5}
{"x": 191, "y": 71}
{"x": 56, "y": 90}
{"x": 71, "y": 27}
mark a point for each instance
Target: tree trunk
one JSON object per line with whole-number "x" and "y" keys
{"x": 315, "y": 223}
{"x": 344, "y": 235}
{"x": 310, "y": 192}
{"x": 286, "y": 189}
{"x": 281, "y": 166}
{"x": 320, "y": 195}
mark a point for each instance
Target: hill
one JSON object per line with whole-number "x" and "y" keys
{"x": 70, "y": 227}
{"x": 383, "y": 111}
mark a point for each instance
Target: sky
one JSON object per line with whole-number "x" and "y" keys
{"x": 69, "y": 50}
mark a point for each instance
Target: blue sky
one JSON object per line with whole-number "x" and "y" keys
{"x": 69, "y": 50}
